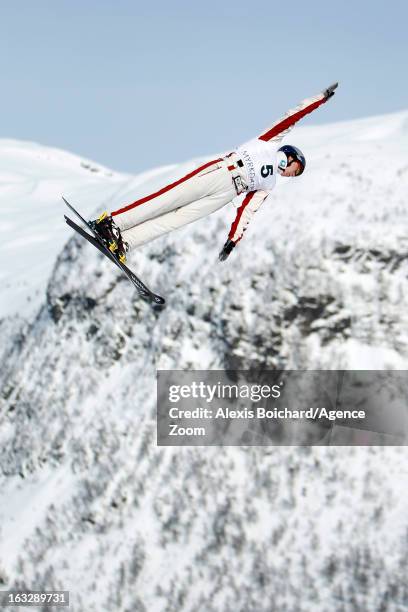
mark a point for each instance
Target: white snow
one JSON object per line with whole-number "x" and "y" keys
{"x": 88, "y": 501}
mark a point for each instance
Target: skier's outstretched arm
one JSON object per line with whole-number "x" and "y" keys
{"x": 281, "y": 127}
{"x": 245, "y": 212}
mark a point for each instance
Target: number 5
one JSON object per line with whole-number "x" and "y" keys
{"x": 267, "y": 170}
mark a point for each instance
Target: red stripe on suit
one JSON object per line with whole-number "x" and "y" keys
{"x": 240, "y": 211}
{"x": 289, "y": 121}
{"x": 166, "y": 188}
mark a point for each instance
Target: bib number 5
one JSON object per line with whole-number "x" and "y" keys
{"x": 267, "y": 170}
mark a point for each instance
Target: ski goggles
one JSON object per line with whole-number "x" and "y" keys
{"x": 282, "y": 161}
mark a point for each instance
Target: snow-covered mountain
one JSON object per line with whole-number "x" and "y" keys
{"x": 88, "y": 502}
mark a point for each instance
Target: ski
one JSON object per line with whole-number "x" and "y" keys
{"x": 95, "y": 240}
{"x": 140, "y": 287}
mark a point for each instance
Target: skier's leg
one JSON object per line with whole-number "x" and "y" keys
{"x": 203, "y": 181}
{"x": 163, "y": 224}
{"x": 203, "y": 191}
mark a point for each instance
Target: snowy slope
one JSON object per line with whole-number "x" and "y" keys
{"x": 32, "y": 232}
{"x": 32, "y": 179}
{"x": 87, "y": 500}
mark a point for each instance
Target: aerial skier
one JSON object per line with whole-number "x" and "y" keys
{"x": 251, "y": 170}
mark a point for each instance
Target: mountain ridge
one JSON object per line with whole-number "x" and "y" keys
{"x": 89, "y": 503}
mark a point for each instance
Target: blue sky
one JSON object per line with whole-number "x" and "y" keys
{"x": 135, "y": 85}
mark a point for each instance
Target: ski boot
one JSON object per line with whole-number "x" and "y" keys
{"x": 107, "y": 229}
{"x": 123, "y": 248}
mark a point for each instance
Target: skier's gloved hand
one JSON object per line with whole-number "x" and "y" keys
{"x": 329, "y": 92}
{"x": 226, "y": 250}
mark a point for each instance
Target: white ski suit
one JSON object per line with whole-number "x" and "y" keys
{"x": 252, "y": 168}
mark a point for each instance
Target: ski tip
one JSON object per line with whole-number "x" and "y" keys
{"x": 157, "y": 303}
{"x": 64, "y": 199}
{"x": 157, "y": 299}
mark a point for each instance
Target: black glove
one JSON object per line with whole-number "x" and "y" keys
{"x": 329, "y": 92}
{"x": 226, "y": 250}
